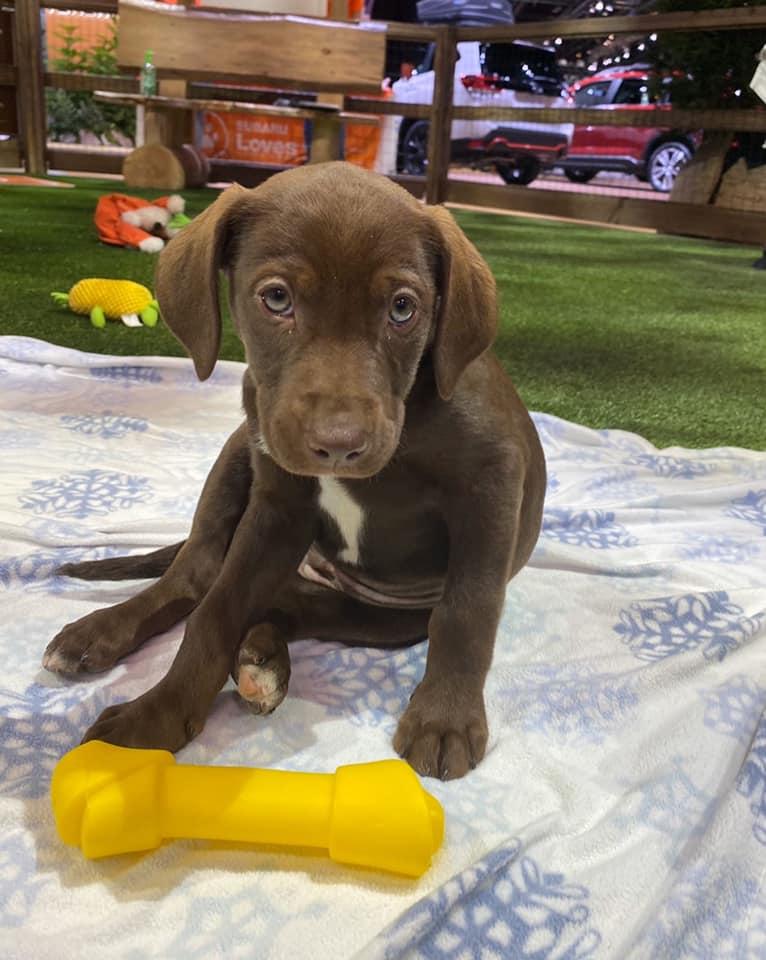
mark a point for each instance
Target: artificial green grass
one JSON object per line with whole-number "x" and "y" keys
{"x": 658, "y": 335}
{"x": 48, "y": 242}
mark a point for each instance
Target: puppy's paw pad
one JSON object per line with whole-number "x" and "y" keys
{"x": 261, "y": 686}
{"x": 262, "y": 671}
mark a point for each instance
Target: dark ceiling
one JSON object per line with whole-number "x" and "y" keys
{"x": 575, "y": 9}
{"x": 582, "y": 53}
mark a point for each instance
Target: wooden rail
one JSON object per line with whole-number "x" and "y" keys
{"x": 735, "y": 120}
{"x": 439, "y": 139}
{"x": 604, "y": 117}
{"x": 90, "y": 81}
{"x": 692, "y": 219}
{"x": 86, "y": 6}
{"x": 226, "y": 106}
{"x": 29, "y": 71}
{"x": 596, "y": 117}
{"x": 30, "y": 80}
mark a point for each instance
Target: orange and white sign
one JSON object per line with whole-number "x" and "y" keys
{"x": 241, "y": 136}
{"x": 277, "y": 140}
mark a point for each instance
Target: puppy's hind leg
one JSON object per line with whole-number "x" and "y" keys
{"x": 311, "y": 611}
{"x": 97, "y": 641}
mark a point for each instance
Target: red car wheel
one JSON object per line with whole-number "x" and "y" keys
{"x": 665, "y": 164}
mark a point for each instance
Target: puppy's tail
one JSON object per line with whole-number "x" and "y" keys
{"x": 145, "y": 566}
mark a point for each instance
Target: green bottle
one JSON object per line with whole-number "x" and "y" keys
{"x": 149, "y": 76}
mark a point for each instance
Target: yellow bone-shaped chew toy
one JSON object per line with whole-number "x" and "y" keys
{"x": 110, "y": 800}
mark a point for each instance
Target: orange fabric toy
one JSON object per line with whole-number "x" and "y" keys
{"x": 132, "y": 222}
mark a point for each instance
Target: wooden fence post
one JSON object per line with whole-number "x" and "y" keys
{"x": 440, "y": 128}
{"x": 29, "y": 66}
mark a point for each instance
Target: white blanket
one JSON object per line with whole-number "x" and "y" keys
{"x": 621, "y": 808}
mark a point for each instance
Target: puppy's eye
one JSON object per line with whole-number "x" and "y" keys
{"x": 402, "y": 311}
{"x": 277, "y": 300}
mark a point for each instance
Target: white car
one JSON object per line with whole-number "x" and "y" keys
{"x": 486, "y": 74}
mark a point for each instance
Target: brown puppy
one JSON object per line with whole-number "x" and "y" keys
{"x": 387, "y": 481}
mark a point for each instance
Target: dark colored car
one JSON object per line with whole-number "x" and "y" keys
{"x": 654, "y": 154}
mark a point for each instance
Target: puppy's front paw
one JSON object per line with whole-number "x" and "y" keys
{"x": 149, "y": 721}
{"x": 90, "y": 645}
{"x": 262, "y": 671}
{"x": 440, "y": 735}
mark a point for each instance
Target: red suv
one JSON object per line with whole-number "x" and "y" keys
{"x": 655, "y": 154}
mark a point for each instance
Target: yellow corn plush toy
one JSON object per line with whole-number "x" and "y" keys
{"x": 116, "y": 299}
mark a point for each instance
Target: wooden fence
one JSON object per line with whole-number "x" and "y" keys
{"x": 698, "y": 219}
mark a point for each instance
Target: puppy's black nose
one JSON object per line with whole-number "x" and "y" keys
{"x": 337, "y": 445}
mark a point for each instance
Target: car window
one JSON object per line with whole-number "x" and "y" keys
{"x": 665, "y": 93}
{"x": 398, "y": 52}
{"x": 522, "y": 66}
{"x": 593, "y": 94}
{"x": 634, "y": 92}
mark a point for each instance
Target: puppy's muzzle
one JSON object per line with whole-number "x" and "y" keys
{"x": 320, "y": 434}
{"x": 337, "y": 444}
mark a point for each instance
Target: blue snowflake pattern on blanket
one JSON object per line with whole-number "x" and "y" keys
{"x": 368, "y": 686}
{"x": 656, "y": 629}
{"x": 19, "y": 884}
{"x": 37, "y": 571}
{"x": 214, "y": 926}
{"x": 485, "y": 803}
{"x": 106, "y": 425}
{"x": 18, "y": 439}
{"x": 596, "y": 529}
{"x": 751, "y": 507}
{"x": 87, "y": 493}
{"x": 51, "y": 532}
{"x": 505, "y": 906}
{"x": 731, "y": 708}
{"x": 673, "y": 805}
{"x": 570, "y": 703}
{"x": 712, "y": 912}
{"x": 127, "y": 375}
{"x": 35, "y": 734}
{"x": 752, "y": 781}
{"x": 719, "y": 549}
{"x": 665, "y": 466}
{"x": 622, "y": 485}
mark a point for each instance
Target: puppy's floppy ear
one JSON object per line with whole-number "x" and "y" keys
{"x": 186, "y": 281}
{"x": 467, "y": 321}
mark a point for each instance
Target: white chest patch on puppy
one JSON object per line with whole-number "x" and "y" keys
{"x": 347, "y": 513}
{"x": 263, "y": 446}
